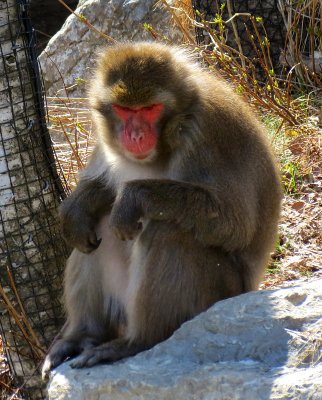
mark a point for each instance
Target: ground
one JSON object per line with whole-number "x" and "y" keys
{"x": 299, "y": 250}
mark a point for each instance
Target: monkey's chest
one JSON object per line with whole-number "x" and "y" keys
{"x": 113, "y": 257}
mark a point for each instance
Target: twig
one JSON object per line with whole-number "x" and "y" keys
{"x": 11, "y": 309}
{"x": 237, "y": 38}
{"x": 178, "y": 22}
{"x": 85, "y": 21}
{"x": 23, "y": 312}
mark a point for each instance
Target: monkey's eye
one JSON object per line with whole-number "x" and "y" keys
{"x": 150, "y": 113}
{"x": 149, "y": 108}
{"x": 122, "y": 112}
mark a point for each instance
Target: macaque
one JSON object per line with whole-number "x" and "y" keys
{"x": 177, "y": 208}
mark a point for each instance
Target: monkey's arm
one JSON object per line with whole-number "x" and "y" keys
{"x": 216, "y": 216}
{"x": 81, "y": 212}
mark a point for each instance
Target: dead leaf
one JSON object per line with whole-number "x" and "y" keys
{"x": 298, "y": 205}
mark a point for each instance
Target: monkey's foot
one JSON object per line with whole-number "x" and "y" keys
{"x": 46, "y": 368}
{"x": 52, "y": 360}
{"x": 89, "y": 358}
{"x": 106, "y": 352}
{"x": 63, "y": 349}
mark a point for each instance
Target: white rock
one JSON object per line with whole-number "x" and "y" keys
{"x": 250, "y": 347}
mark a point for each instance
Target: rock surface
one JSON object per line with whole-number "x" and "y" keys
{"x": 257, "y": 346}
{"x": 69, "y": 56}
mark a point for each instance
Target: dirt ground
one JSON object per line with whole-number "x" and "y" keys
{"x": 299, "y": 253}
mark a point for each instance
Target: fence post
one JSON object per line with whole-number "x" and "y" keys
{"x": 32, "y": 253}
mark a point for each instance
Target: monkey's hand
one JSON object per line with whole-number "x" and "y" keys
{"x": 125, "y": 215}
{"x": 78, "y": 228}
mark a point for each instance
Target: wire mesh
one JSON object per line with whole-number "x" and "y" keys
{"x": 267, "y": 10}
{"x": 32, "y": 253}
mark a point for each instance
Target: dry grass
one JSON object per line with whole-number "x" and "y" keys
{"x": 309, "y": 345}
{"x": 71, "y": 132}
{"x": 7, "y": 389}
{"x": 26, "y": 334}
{"x": 303, "y": 47}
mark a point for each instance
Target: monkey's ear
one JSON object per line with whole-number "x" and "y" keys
{"x": 99, "y": 92}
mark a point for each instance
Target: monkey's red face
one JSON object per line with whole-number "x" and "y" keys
{"x": 138, "y": 134}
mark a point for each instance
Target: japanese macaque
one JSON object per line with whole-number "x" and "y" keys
{"x": 177, "y": 208}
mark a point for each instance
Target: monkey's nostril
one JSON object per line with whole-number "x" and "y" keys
{"x": 137, "y": 136}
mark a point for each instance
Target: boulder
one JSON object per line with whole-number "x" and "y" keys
{"x": 70, "y": 55}
{"x": 257, "y": 346}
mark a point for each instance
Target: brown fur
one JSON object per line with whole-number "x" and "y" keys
{"x": 202, "y": 212}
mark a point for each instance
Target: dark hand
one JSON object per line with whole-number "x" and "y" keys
{"x": 78, "y": 229}
{"x": 125, "y": 215}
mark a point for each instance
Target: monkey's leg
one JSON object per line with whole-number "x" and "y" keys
{"x": 94, "y": 285}
{"x": 77, "y": 333}
{"x": 121, "y": 347}
{"x": 128, "y": 345}
{"x": 172, "y": 278}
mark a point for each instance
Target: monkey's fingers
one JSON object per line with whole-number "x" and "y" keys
{"x": 63, "y": 349}
{"x": 46, "y": 369}
{"x": 50, "y": 363}
{"x": 88, "y": 244}
{"x": 56, "y": 356}
{"x": 93, "y": 241}
{"x": 89, "y": 358}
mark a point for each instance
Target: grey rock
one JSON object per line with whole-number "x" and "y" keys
{"x": 71, "y": 53}
{"x": 256, "y": 346}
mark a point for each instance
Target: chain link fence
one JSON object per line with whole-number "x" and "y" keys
{"x": 32, "y": 253}
{"x": 267, "y": 10}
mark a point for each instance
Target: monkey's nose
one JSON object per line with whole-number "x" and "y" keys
{"x": 137, "y": 135}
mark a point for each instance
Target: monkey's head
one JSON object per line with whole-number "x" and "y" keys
{"x": 139, "y": 94}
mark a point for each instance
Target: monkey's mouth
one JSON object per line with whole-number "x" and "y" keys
{"x": 141, "y": 157}
{"x": 146, "y": 157}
